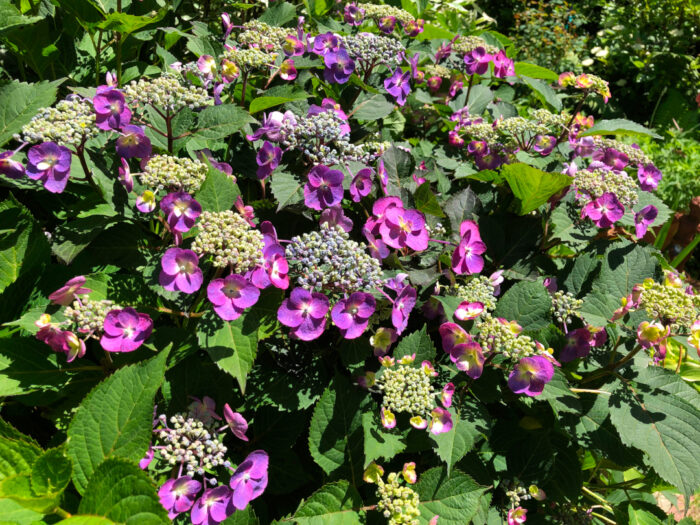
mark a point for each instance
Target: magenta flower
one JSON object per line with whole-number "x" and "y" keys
{"x": 72, "y": 346}
{"x": 440, "y": 422}
{"x": 272, "y": 124}
{"x": 339, "y": 66}
{"x": 305, "y": 313}
{"x": 467, "y": 259}
{"x": 180, "y": 271}
{"x": 578, "y": 344}
{"x": 324, "y": 188}
{"x": 268, "y": 158}
{"x": 125, "y": 330}
{"x": 247, "y": 212}
{"x": 530, "y": 375}
{"x": 325, "y": 43}
{"x": 146, "y": 203}
{"x": 10, "y": 168}
{"x": 213, "y": 507}
{"x": 477, "y": 61}
{"x": 111, "y": 110}
{"x": 293, "y": 46}
{"x": 649, "y": 177}
{"x": 287, "y": 70}
{"x": 207, "y": 65}
{"x": 612, "y": 158}
{"x": 401, "y": 310}
{"x": 361, "y": 184}
{"x": 124, "y": 176}
{"x": 377, "y": 248}
{"x": 181, "y": 210}
{"x": 434, "y": 83}
{"x": 226, "y": 25}
{"x": 66, "y": 293}
{"x": 133, "y": 142}
{"x": 398, "y": 86}
{"x": 517, "y": 516}
{"x": 503, "y": 66}
{"x": 452, "y": 335}
{"x": 146, "y": 460}
{"x": 352, "y": 314}
{"x": 643, "y": 219}
{"x": 467, "y": 311}
{"x": 386, "y": 24}
{"x": 544, "y": 144}
{"x": 468, "y": 357}
{"x": 274, "y": 270}
{"x": 414, "y": 27}
{"x": 604, "y": 211}
{"x": 404, "y": 228}
{"x": 446, "y": 395}
{"x": 205, "y": 155}
{"x": 178, "y": 495}
{"x": 49, "y": 163}
{"x": 231, "y": 296}
{"x": 353, "y": 14}
{"x": 335, "y": 216}
{"x": 250, "y": 479}
{"x": 236, "y": 422}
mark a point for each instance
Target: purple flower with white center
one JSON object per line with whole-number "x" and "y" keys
{"x": 649, "y": 177}
{"x": 530, "y": 375}
{"x": 67, "y": 293}
{"x": 467, "y": 259}
{"x": 213, "y": 507}
{"x": 398, "y": 86}
{"x": 125, "y": 330}
{"x": 361, "y": 184}
{"x": 604, "y": 211}
{"x": 335, "y": 216}
{"x": 477, "y": 61}
{"x": 325, "y": 43}
{"x": 352, "y": 315}
{"x": 49, "y": 163}
{"x": 180, "y": 271}
{"x": 324, "y": 188}
{"x": 124, "y": 176}
{"x": 468, "y": 357}
{"x": 386, "y": 24}
{"x": 111, "y": 110}
{"x": 305, "y": 313}
{"x": 404, "y": 228}
{"x": 503, "y": 66}
{"x": 544, "y": 144}
{"x": 236, "y": 422}
{"x": 353, "y": 14}
{"x": 231, "y": 296}
{"x": 339, "y": 66}
{"x": 440, "y": 422}
{"x": 10, "y": 168}
{"x": 272, "y": 124}
{"x": 178, "y": 495}
{"x": 643, "y": 219}
{"x": 268, "y": 158}
{"x": 181, "y": 210}
{"x": 133, "y": 142}
{"x": 401, "y": 310}
{"x": 329, "y": 103}
{"x": 146, "y": 203}
{"x": 250, "y": 479}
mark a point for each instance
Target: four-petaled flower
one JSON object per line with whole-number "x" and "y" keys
{"x": 604, "y": 211}
{"x": 213, "y": 506}
{"x": 324, "y": 188}
{"x": 530, "y": 375}
{"x": 467, "y": 259}
{"x": 66, "y": 293}
{"x": 231, "y": 296}
{"x": 125, "y": 330}
{"x": 181, "y": 210}
{"x": 352, "y": 315}
{"x": 111, "y": 110}
{"x": 49, "y": 163}
{"x": 305, "y": 313}
{"x": 398, "y": 85}
{"x": 339, "y": 66}
{"x": 178, "y": 495}
{"x": 180, "y": 271}
{"x": 250, "y": 479}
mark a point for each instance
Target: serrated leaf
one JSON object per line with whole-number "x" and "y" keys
{"x": 418, "y": 343}
{"x": 19, "y": 488}
{"x": 51, "y": 472}
{"x": 479, "y": 98}
{"x": 373, "y": 108}
{"x": 619, "y": 126}
{"x": 461, "y": 206}
{"x": 286, "y": 189}
{"x": 642, "y": 517}
{"x": 568, "y": 225}
{"x": 454, "y": 497}
{"x": 426, "y": 201}
{"x": 454, "y": 445}
{"x": 121, "y": 491}
{"x": 14, "y": 513}
{"x": 534, "y": 71}
{"x": 279, "y": 14}
{"x": 16, "y": 456}
{"x": 115, "y": 419}
{"x": 580, "y": 273}
{"x": 398, "y": 165}
{"x": 127, "y": 23}
{"x": 267, "y": 102}
{"x": 218, "y": 191}
{"x": 333, "y": 504}
{"x": 528, "y": 303}
{"x": 559, "y": 394}
{"x": 218, "y": 122}
{"x": 533, "y": 187}
{"x": 380, "y": 442}
{"x": 19, "y": 101}
{"x": 544, "y": 93}
{"x": 11, "y": 17}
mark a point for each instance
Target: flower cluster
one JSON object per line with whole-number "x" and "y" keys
{"x": 231, "y": 241}
{"x": 392, "y": 226}
{"x": 249, "y": 59}
{"x": 173, "y": 173}
{"x": 478, "y": 289}
{"x": 70, "y": 123}
{"x": 398, "y": 503}
{"x": 565, "y": 306}
{"x": 189, "y": 442}
{"x": 383, "y": 15}
{"x": 368, "y": 50}
{"x": 89, "y": 314}
{"x": 166, "y": 92}
{"x": 258, "y": 34}
{"x": 586, "y": 83}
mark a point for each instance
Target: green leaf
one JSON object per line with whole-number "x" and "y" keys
{"x": 335, "y": 433}
{"x": 568, "y": 225}
{"x": 533, "y": 187}
{"x": 380, "y": 442}
{"x": 16, "y": 456}
{"x": 418, "y": 343}
{"x": 19, "y": 101}
{"x": 642, "y": 517}
{"x": 525, "y": 69}
{"x": 398, "y": 165}
{"x": 72, "y": 237}
{"x": 619, "y": 126}
{"x": 86, "y": 520}
{"x": 286, "y": 189}
{"x": 333, "y": 504}
{"x": 454, "y": 445}
{"x": 232, "y": 345}
{"x": 450, "y": 303}
{"x": 51, "y": 472}
{"x": 14, "y": 513}
{"x": 121, "y": 491}
{"x": 279, "y": 14}
{"x": 11, "y": 17}
{"x": 544, "y": 93}
{"x": 218, "y": 122}
{"x": 19, "y": 488}
{"x": 663, "y": 426}
{"x": 453, "y": 497}
{"x": 218, "y": 191}
{"x": 127, "y": 24}
{"x": 115, "y": 419}
{"x": 426, "y": 201}
{"x": 479, "y": 98}
{"x": 559, "y": 394}
{"x": 528, "y": 303}
{"x": 373, "y": 108}
{"x": 461, "y": 206}
{"x": 267, "y": 102}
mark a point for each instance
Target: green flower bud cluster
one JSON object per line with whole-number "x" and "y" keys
{"x": 547, "y": 118}
{"x": 88, "y": 314}
{"x": 517, "y": 494}
{"x": 174, "y": 173}
{"x": 565, "y": 306}
{"x": 635, "y": 155}
{"x": 166, "y": 92}
{"x": 436, "y": 231}
{"x": 596, "y": 182}
{"x": 189, "y": 442}
{"x": 259, "y": 34}
{"x": 375, "y": 49}
{"x": 477, "y": 289}
{"x": 379, "y": 11}
{"x": 322, "y": 141}
{"x": 70, "y": 123}
{"x": 328, "y": 260}
{"x": 398, "y": 503}
{"x": 500, "y": 337}
{"x": 670, "y": 304}
{"x": 520, "y": 130}
{"x": 482, "y": 131}
{"x": 407, "y": 389}
{"x": 252, "y": 58}
{"x": 465, "y": 44}
{"x": 436, "y": 70}
{"x": 230, "y": 239}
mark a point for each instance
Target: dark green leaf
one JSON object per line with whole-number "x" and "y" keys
{"x": 373, "y": 108}
{"x": 533, "y": 187}
{"x": 528, "y": 303}
{"x": 418, "y": 343}
{"x": 544, "y": 93}
{"x": 454, "y": 497}
{"x": 218, "y": 191}
{"x": 380, "y": 442}
{"x": 19, "y": 101}
{"x": 333, "y": 504}
{"x": 426, "y": 201}
{"x": 619, "y": 126}
{"x": 218, "y": 122}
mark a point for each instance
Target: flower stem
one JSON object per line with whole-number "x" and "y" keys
{"x": 469, "y": 89}
{"x": 118, "y": 37}
{"x": 169, "y": 127}
{"x": 80, "y": 152}
{"x": 62, "y": 513}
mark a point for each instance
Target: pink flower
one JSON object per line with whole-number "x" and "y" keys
{"x": 517, "y": 516}
{"x": 10, "y": 168}
{"x": 305, "y": 313}
{"x": 250, "y": 479}
{"x": 446, "y": 395}
{"x": 467, "y": 311}
{"x": 146, "y": 203}
{"x": 467, "y": 259}
{"x": 180, "y": 271}
{"x": 643, "y": 219}
{"x": 124, "y": 176}
{"x": 324, "y": 188}
{"x": 361, "y": 184}
{"x": 352, "y": 314}
{"x": 649, "y": 177}
{"x": 268, "y": 158}
{"x": 236, "y": 422}
{"x": 404, "y": 228}
{"x": 440, "y": 422}
{"x": 111, "y": 110}
{"x": 530, "y": 375}
{"x": 213, "y": 507}
{"x": 335, "y": 216}
{"x": 125, "y": 330}
{"x": 207, "y": 65}
{"x": 604, "y": 211}
{"x": 651, "y": 334}
{"x": 503, "y": 66}
{"x": 452, "y": 334}
{"x": 231, "y": 296}
{"x": 477, "y": 61}
{"x": 66, "y": 293}
{"x": 401, "y": 310}
{"x": 287, "y": 70}
{"x": 468, "y": 357}
{"x": 181, "y": 210}
{"x": 49, "y": 163}
{"x": 178, "y": 495}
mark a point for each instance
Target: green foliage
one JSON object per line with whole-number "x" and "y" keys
{"x": 533, "y": 187}
{"x": 336, "y": 503}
